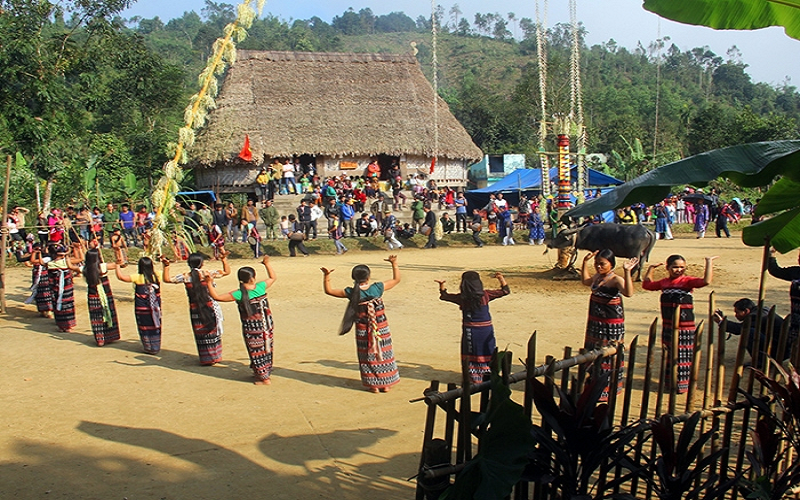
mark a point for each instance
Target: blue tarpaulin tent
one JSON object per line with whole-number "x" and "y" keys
{"x": 529, "y": 182}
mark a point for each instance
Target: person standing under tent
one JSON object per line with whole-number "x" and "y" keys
{"x": 365, "y": 310}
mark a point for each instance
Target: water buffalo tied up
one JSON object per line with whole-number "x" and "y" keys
{"x": 624, "y": 240}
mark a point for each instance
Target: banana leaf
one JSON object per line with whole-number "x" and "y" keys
{"x": 747, "y": 165}
{"x": 783, "y": 231}
{"x": 731, "y": 14}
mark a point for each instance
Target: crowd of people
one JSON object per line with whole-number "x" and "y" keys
{"x": 67, "y": 244}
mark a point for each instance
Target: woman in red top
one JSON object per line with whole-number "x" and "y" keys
{"x": 676, "y": 293}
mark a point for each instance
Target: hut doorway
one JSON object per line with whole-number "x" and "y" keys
{"x": 386, "y": 162}
{"x": 308, "y": 163}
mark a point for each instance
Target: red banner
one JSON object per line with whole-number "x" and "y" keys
{"x": 246, "y": 153}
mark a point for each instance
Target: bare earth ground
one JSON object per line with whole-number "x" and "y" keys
{"x": 84, "y": 422}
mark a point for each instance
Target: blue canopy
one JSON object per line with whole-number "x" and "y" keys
{"x": 530, "y": 179}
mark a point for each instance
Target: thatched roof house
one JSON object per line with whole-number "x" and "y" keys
{"x": 336, "y": 110}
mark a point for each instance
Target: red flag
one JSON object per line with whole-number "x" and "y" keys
{"x": 246, "y": 153}
{"x": 433, "y": 163}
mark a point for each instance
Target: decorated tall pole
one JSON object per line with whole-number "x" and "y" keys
{"x": 564, "y": 186}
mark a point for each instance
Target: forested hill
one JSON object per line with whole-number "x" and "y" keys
{"x": 491, "y": 80}
{"x": 92, "y": 96}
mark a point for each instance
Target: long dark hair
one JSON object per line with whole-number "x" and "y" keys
{"x": 672, "y": 258}
{"x": 360, "y": 274}
{"x": 146, "y": 270}
{"x": 245, "y": 274}
{"x": 608, "y": 255}
{"x": 198, "y": 293}
{"x": 471, "y": 291}
{"x": 91, "y": 267}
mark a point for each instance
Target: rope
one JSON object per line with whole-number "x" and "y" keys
{"x": 660, "y": 44}
{"x": 542, "y": 59}
{"x": 576, "y": 99}
{"x": 435, "y": 85}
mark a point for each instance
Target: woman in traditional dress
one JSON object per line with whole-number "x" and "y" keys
{"x": 676, "y": 293}
{"x": 40, "y": 282}
{"x": 257, "y": 326}
{"x": 477, "y": 333}
{"x": 606, "y": 321}
{"x": 146, "y": 303}
{"x": 373, "y": 339}
{"x": 701, "y": 218}
{"x": 102, "y": 312}
{"x": 791, "y": 274}
{"x": 59, "y": 272}
{"x": 206, "y": 315}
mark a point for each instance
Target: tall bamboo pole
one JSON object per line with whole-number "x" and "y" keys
{"x": 4, "y": 242}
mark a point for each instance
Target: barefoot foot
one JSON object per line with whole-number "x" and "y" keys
{"x": 262, "y": 382}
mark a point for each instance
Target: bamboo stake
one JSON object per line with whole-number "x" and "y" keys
{"x": 427, "y": 436}
{"x": 465, "y": 433}
{"x": 4, "y": 239}
{"x": 643, "y": 410}
{"x": 719, "y": 382}
{"x": 674, "y": 358}
{"x": 626, "y": 401}
{"x": 732, "y": 391}
{"x": 522, "y": 487}
{"x": 449, "y": 422}
{"x": 697, "y": 358}
{"x": 565, "y": 373}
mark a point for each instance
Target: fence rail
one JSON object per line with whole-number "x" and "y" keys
{"x": 450, "y": 413}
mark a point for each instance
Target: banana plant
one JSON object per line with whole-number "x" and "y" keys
{"x": 731, "y": 14}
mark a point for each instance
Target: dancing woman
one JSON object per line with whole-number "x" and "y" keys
{"x": 606, "y": 320}
{"x": 59, "y": 272}
{"x": 254, "y": 311}
{"x": 676, "y": 293}
{"x": 40, "y": 285}
{"x": 146, "y": 303}
{"x": 477, "y": 333}
{"x": 373, "y": 339}
{"x": 102, "y": 312}
{"x": 205, "y": 313}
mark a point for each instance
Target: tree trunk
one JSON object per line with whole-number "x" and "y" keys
{"x": 48, "y": 192}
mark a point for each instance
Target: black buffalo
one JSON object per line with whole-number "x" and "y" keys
{"x": 624, "y": 240}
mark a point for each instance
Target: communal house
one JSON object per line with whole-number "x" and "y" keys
{"x": 337, "y": 111}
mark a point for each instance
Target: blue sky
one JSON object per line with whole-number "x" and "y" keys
{"x": 771, "y": 56}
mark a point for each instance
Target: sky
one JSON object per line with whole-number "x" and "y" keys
{"x": 770, "y": 55}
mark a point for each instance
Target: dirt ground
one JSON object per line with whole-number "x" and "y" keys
{"x": 83, "y": 422}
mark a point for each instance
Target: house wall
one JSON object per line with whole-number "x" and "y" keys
{"x": 241, "y": 178}
{"x": 482, "y": 174}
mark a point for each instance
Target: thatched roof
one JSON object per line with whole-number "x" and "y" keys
{"x": 332, "y": 104}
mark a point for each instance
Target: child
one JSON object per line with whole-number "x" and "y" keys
{"x": 477, "y": 333}
{"x": 477, "y": 219}
{"x": 284, "y": 227}
{"x": 254, "y": 239}
{"x": 491, "y": 218}
{"x": 254, "y": 311}
{"x": 336, "y": 233}
{"x": 120, "y": 247}
{"x": 606, "y": 321}
{"x": 179, "y": 247}
{"x": 535, "y": 229}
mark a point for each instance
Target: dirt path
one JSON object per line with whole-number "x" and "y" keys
{"x": 85, "y": 422}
